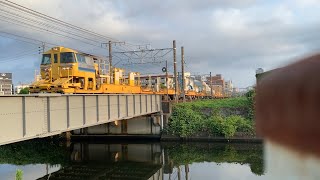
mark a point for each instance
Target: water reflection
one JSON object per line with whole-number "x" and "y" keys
{"x": 132, "y": 160}
{"x": 208, "y": 160}
{"x": 112, "y": 161}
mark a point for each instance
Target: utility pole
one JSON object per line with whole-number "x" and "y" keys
{"x": 211, "y": 90}
{"x": 182, "y": 69}
{"x": 175, "y": 71}
{"x": 110, "y": 62}
{"x": 167, "y": 78}
{"x": 42, "y": 48}
{"x": 109, "y": 44}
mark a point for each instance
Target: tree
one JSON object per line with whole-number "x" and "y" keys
{"x": 24, "y": 91}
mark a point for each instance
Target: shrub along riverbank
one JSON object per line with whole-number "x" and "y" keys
{"x": 219, "y": 117}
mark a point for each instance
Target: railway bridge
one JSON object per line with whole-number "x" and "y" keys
{"x": 24, "y": 117}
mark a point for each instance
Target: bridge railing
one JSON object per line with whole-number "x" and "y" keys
{"x": 29, "y": 116}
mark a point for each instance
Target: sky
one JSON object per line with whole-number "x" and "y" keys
{"x": 228, "y": 37}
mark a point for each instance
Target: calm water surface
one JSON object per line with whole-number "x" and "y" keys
{"x": 149, "y": 160}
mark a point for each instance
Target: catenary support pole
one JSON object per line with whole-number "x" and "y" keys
{"x": 175, "y": 71}
{"x": 182, "y": 72}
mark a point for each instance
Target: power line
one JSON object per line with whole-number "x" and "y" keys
{"x": 46, "y": 25}
{"x": 19, "y": 40}
{"x": 18, "y": 58}
{"x": 42, "y": 29}
{"x": 56, "y": 21}
{"x": 17, "y": 54}
{"x": 40, "y": 42}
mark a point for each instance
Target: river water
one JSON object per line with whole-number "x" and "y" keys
{"x": 43, "y": 159}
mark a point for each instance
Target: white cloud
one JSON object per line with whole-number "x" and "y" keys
{"x": 218, "y": 36}
{"x": 307, "y": 3}
{"x": 284, "y": 14}
{"x": 232, "y": 22}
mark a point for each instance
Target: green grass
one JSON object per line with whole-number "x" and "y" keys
{"x": 218, "y": 103}
{"x": 19, "y": 174}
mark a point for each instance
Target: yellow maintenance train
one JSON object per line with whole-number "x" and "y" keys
{"x": 68, "y": 71}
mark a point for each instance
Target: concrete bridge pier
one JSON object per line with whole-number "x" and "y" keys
{"x": 142, "y": 126}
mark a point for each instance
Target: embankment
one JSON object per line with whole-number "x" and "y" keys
{"x": 212, "y": 120}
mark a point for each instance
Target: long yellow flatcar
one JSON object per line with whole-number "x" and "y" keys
{"x": 68, "y": 71}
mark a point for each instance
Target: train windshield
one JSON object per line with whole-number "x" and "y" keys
{"x": 67, "y": 57}
{"x": 46, "y": 59}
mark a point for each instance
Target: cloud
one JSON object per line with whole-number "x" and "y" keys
{"x": 228, "y": 37}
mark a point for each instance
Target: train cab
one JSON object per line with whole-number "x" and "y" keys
{"x": 63, "y": 70}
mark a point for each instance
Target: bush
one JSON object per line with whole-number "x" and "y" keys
{"x": 24, "y": 91}
{"x": 184, "y": 122}
{"x": 250, "y": 97}
{"x": 187, "y": 120}
{"x": 229, "y": 126}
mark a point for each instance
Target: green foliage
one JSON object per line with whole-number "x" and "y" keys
{"x": 218, "y": 103}
{"x": 185, "y": 122}
{"x": 19, "y": 174}
{"x": 24, "y": 91}
{"x": 187, "y": 119}
{"x": 250, "y": 97}
{"x": 189, "y": 153}
{"x": 162, "y": 86}
{"x": 39, "y": 151}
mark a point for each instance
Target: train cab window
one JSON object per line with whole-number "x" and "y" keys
{"x": 55, "y": 58}
{"x": 81, "y": 58}
{"x": 67, "y": 57}
{"x": 46, "y": 59}
{"x": 89, "y": 60}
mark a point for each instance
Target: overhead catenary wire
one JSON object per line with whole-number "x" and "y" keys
{"x": 37, "y": 40}
{"x": 55, "y": 20}
{"x": 21, "y": 23}
{"x": 18, "y": 58}
{"x": 61, "y": 23}
{"x": 18, "y": 54}
{"x": 44, "y": 23}
{"x": 46, "y": 18}
{"x": 47, "y": 25}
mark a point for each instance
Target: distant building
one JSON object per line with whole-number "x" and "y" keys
{"x": 217, "y": 84}
{"x": 228, "y": 85}
{"x": 152, "y": 80}
{"x": 6, "y": 86}
{"x": 216, "y": 80}
{"x": 228, "y": 88}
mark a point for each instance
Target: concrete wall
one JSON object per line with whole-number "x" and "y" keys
{"x": 138, "y": 125}
{"x": 31, "y": 116}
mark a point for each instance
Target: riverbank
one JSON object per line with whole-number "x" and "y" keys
{"x": 212, "y": 120}
{"x": 220, "y": 139}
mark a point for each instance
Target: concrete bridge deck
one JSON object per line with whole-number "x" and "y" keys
{"x": 32, "y": 116}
